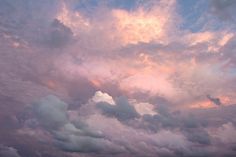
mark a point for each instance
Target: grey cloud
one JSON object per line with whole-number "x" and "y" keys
{"x": 190, "y": 124}
{"x": 26, "y": 72}
{"x": 198, "y": 135}
{"x": 8, "y": 151}
{"x": 225, "y": 9}
{"x": 59, "y": 35}
{"x": 74, "y": 136}
{"x": 216, "y": 101}
{"x": 25, "y": 19}
{"x": 163, "y": 119}
{"x": 85, "y": 144}
{"x": 215, "y": 117}
{"x": 122, "y": 110}
{"x": 85, "y": 130}
{"x": 191, "y": 120}
{"x": 51, "y": 112}
{"x": 78, "y": 136}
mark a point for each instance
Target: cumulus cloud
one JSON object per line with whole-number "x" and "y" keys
{"x": 163, "y": 142}
{"x": 72, "y": 136}
{"x": 117, "y": 78}
{"x": 8, "y": 151}
{"x": 166, "y": 133}
{"x": 145, "y": 26}
{"x": 51, "y": 112}
{"x": 59, "y": 120}
{"x": 143, "y": 107}
{"x": 99, "y": 133}
{"x": 103, "y": 97}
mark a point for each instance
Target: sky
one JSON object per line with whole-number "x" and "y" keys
{"x": 117, "y": 78}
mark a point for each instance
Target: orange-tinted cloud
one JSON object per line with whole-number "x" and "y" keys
{"x": 145, "y": 25}
{"x": 208, "y": 104}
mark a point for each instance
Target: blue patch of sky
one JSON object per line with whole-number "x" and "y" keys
{"x": 88, "y": 6}
{"x": 191, "y": 11}
{"x": 197, "y": 16}
{"x": 123, "y": 4}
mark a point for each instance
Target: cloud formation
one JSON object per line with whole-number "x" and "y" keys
{"x": 8, "y": 152}
{"x": 110, "y": 131}
{"x": 117, "y": 78}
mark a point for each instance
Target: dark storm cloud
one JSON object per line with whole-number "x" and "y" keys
{"x": 173, "y": 120}
{"x": 122, "y": 110}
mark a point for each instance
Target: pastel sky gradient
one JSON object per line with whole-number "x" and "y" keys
{"x": 117, "y": 78}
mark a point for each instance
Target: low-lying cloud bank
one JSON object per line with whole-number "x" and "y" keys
{"x": 101, "y": 128}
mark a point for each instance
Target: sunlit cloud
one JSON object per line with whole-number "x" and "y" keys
{"x": 117, "y": 78}
{"x": 73, "y": 20}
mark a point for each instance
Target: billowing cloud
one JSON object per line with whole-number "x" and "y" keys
{"x": 108, "y": 131}
{"x": 145, "y": 26}
{"x": 51, "y": 112}
{"x": 117, "y": 78}
{"x": 103, "y": 97}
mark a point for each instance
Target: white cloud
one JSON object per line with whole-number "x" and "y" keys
{"x": 103, "y": 97}
{"x": 143, "y": 107}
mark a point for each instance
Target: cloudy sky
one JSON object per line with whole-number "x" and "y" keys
{"x": 117, "y": 78}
